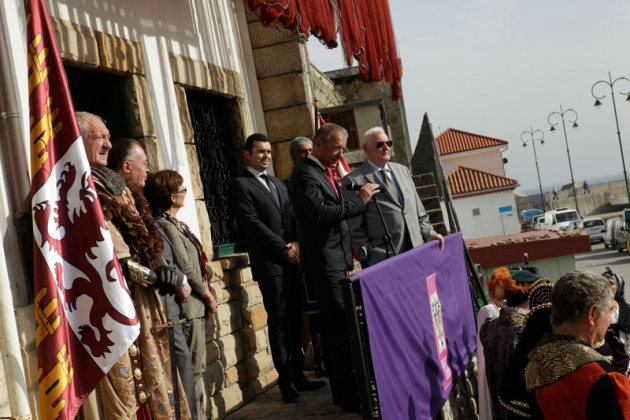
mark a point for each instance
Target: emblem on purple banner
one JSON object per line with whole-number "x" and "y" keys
{"x": 438, "y": 330}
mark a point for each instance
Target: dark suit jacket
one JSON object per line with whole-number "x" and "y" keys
{"x": 325, "y": 243}
{"x": 407, "y": 223}
{"x": 264, "y": 228}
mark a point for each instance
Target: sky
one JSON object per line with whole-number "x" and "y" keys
{"x": 498, "y": 68}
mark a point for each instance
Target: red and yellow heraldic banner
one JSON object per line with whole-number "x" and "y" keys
{"x": 85, "y": 318}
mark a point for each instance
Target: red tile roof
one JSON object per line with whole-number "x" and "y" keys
{"x": 454, "y": 141}
{"x": 468, "y": 181}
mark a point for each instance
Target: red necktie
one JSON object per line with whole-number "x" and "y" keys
{"x": 332, "y": 181}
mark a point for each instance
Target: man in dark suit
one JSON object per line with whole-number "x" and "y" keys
{"x": 326, "y": 251}
{"x": 403, "y": 212}
{"x": 262, "y": 208}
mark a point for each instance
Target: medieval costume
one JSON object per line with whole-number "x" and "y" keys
{"x": 513, "y": 394}
{"x": 573, "y": 381}
{"x": 140, "y": 384}
{"x": 500, "y": 336}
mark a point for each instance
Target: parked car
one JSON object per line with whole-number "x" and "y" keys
{"x": 609, "y": 233}
{"x": 527, "y": 216}
{"x": 560, "y": 219}
{"x": 538, "y": 222}
{"x": 574, "y": 226}
{"x": 594, "y": 228}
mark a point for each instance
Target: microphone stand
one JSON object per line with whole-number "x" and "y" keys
{"x": 387, "y": 238}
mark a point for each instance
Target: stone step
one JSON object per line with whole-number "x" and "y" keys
{"x": 427, "y": 191}
{"x": 424, "y": 179}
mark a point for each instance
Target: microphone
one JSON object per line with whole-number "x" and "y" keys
{"x": 352, "y": 186}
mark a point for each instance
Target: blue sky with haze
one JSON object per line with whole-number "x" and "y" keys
{"x": 497, "y": 67}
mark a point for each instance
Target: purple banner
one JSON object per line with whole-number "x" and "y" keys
{"x": 421, "y": 327}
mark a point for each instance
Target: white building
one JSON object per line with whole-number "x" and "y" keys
{"x": 483, "y": 197}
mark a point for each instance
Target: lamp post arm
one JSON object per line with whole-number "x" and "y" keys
{"x": 531, "y": 133}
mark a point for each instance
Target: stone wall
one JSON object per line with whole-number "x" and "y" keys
{"x": 598, "y": 202}
{"x": 282, "y": 69}
{"x": 324, "y": 90}
{"x": 352, "y": 90}
{"x": 238, "y": 354}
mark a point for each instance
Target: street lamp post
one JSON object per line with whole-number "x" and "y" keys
{"x": 532, "y": 139}
{"x": 611, "y": 83}
{"x": 561, "y": 114}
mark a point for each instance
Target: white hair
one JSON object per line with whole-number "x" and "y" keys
{"x": 372, "y": 131}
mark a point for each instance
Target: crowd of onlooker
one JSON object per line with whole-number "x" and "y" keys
{"x": 554, "y": 350}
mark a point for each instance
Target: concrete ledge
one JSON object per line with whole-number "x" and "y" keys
{"x": 234, "y": 261}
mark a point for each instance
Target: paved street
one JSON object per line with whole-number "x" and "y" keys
{"x": 599, "y": 258}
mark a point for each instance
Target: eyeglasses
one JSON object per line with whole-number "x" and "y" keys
{"x": 380, "y": 144}
{"x": 145, "y": 164}
{"x": 183, "y": 191}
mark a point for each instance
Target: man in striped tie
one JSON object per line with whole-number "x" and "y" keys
{"x": 403, "y": 213}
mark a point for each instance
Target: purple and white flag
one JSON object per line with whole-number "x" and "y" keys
{"x": 421, "y": 327}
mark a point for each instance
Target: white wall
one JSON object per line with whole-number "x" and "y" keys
{"x": 490, "y": 221}
{"x": 212, "y": 31}
{"x": 488, "y": 160}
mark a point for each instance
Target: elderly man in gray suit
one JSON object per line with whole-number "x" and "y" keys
{"x": 403, "y": 212}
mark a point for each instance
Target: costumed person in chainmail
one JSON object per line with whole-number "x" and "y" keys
{"x": 513, "y": 394}
{"x": 134, "y": 387}
{"x": 500, "y": 336}
{"x": 166, "y": 194}
{"x": 569, "y": 378}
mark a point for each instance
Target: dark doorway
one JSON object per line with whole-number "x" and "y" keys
{"x": 211, "y": 120}
{"x": 102, "y": 94}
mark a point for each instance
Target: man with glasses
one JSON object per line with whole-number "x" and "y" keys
{"x": 403, "y": 212}
{"x": 127, "y": 157}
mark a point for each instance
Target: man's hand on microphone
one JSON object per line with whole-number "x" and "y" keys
{"x": 367, "y": 191}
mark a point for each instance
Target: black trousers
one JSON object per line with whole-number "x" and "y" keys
{"x": 334, "y": 334}
{"x": 283, "y": 300}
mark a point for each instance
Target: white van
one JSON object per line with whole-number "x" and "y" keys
{"x": 609, "y": 234}
{"x": 560, "y": 219}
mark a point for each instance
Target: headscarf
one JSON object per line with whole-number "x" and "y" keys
{"x": 505, "y": 283}
{"x": 295, "y": 143}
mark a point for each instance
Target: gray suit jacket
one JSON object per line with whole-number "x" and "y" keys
{"x": 408, "y": 224}
{"x": 187, "y": 260}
